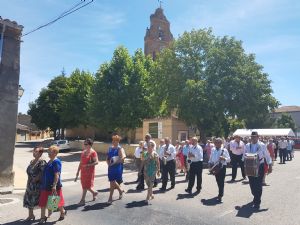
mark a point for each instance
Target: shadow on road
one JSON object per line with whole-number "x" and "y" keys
{"x": 247, "y": 210}
{"x": 180, "y": 181}
{"x": 23, "y": 222}
{"x": 97, "y": 206}
{"x": 210, "y": 202}
{"x": 131, "y": 182}
{"x": 183, "y": 196}
{"x": 130, "y": 191}
{"x": 18, "y": 222}
{"x": 135, "y": 204}
{"x": 236, "y": 181}
{"x": 103, "y": 190}
{"x": 72, "y": 207}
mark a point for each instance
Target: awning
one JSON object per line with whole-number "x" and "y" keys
{"x": 265, "y": 132}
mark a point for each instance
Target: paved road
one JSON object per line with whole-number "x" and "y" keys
{"x": 279, "y": 203}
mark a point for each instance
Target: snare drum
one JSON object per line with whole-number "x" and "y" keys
{"x": 251, "y": 164}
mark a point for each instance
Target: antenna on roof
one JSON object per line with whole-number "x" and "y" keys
{"x": 160, "y": 3}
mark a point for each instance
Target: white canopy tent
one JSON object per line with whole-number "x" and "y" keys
{"x": 265, "y": 132}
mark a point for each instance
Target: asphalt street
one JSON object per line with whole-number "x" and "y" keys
{"x": 280, "y": 201}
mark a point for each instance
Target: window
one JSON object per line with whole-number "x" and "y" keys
{"x": 153, "y": 130}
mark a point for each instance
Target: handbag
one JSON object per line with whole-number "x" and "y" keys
{"x": 217, "y": 166}
{"x": 52, "y": 203}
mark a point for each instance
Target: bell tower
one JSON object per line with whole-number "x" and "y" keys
{"x": 158, "y": 36}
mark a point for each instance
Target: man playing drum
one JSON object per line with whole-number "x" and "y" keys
{"x": 259, "y": 148}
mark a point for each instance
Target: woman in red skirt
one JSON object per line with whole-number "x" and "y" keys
{"x": 51, "y": 184}
{"x": 88, "y": 161}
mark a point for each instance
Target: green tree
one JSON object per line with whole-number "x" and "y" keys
{"x": 285, "y": 121}
{"x": 76, "y": 99}
{"x": 121, "y": 95}
{"x": 209, "y": 79}
{"x": 45, "y": 110}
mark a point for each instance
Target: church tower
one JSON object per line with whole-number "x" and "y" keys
{"x": 158, "y": 36}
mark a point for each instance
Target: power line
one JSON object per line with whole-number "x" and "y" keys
{"x": 62, "y": 15}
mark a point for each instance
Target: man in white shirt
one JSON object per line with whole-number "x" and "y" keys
{"x": 219, "y": 156}
{"x": 237, "y": 149}
{"x": 168, "y": 156}
{"x": 256, "y": 182}
{"x": 137, "y": 158}
{"x": 196, "y": 156}
{"x": 282, "y": 145}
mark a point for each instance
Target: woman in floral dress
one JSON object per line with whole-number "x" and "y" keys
{"x": 34, "y": 173}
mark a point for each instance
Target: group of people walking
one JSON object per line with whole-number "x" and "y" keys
{"x": 44, "y": 178}
{"x": 43, "y": 181}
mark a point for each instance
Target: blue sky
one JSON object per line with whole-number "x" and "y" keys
{"x": 268, "y": 28}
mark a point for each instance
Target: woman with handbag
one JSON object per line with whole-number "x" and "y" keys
{"x": 88, "y": 161}
{"x": 51, "y": 185}
{"x": 34, "y": 172}
{"x": 218, "y": 160}
{"x": 114, "y": 160}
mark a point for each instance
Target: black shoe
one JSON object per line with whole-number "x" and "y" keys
{"x": 162, "y": 189}
{"x": 198, "y": 191}
{"x": 232, "y": 180}
{"x": 188, "y": 191}
{"x": 172, "y": 187}
{"x": 140, "y": 188}
{"x": 219, "y": 199}
{"x": 256, "y": 207}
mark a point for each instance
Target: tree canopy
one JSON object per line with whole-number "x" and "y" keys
{"x": 121, "y": 94}
{"x": 211, "y": 79}
{"x": 285, "y": 121}
{"x": 210, "y": 82}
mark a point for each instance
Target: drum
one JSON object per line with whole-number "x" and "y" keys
{"x": 251, "y": 164}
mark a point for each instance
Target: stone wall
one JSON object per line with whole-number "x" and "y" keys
{"x": 103, "y": 147}
{"x": 9, "y": 85}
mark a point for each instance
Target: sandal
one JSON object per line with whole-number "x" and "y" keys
{"x": 121, "y": 195}
{"x": 43, "y": 220}
{"x": 62, "y": 216}
{"x": 49, "y": 213}
{"x": 81, "y": 203}
{"x": 30, "y": 218}
{"x": 95, "y": 196}
{"x": 109, "y": 201}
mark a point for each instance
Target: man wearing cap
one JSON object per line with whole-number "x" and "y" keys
{"x": 237, "y": 148}
{"x": 256, "y": 185}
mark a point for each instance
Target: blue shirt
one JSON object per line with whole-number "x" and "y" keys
{"x": 185, "y": 150}
{"x": 48, "y": 175}
{"x": 289, "y": 146}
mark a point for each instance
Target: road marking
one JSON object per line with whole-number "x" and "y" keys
{"x": 225, "y": 213}
{"x": 14, "y": 200}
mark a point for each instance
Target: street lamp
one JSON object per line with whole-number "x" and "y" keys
{"x": 20, "y": 91}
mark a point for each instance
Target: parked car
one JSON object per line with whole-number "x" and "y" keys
{"x": 62, "y": 144}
